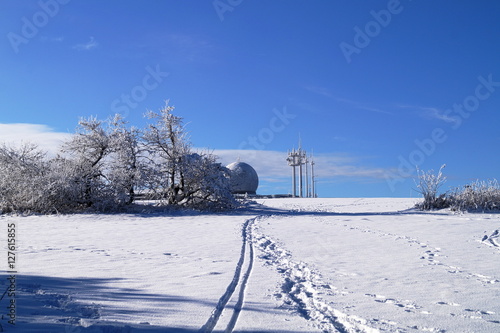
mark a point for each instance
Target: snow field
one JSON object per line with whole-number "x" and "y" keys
{"x": 286, "y": 265}
{"x": 140, "y": 270}
{"x": 401, "y": 271}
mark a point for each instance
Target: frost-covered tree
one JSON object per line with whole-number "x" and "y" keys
{"x": 167, "y": 144}
{"x": 104, "y": 162}
{"x": 179, "y": 175}
{"x": 126, "y": 166}
{"x": 87, "y": 150}
{"x": 103, "y": 165}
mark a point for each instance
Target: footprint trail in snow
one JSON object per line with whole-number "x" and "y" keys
{"x": 302, "y": 287}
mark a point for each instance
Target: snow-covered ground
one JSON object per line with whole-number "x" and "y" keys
{"x": 282, "y": 265}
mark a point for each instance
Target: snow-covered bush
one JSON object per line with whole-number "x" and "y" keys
{"x": 206, "y": 183}
{"x": 22, "y": 178}
{"x": 428, "y": 184}
{"x": 32, "y": 183}
{"x": 63, "y": 192}
{"x": 479, "y": 195}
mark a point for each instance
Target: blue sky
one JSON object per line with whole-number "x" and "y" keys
{"x": 373, "y": 88}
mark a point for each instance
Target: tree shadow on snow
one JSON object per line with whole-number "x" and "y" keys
{"x": 73, "y": 305}
{"x": 253, "y": 209}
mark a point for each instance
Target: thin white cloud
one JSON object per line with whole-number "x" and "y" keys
{"x": 180, "y": 48}
{"x": 87, "y": 46}
{"x": 358, "y": 105}
{"x": 41, "y": 135}
{"x": 59, "y": 39}
{"x": 320, "y": 91}
{"x": 430, "y": 113}
{"x": 440, "y": 115}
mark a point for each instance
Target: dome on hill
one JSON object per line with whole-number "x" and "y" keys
{"x": 244, "y": 179}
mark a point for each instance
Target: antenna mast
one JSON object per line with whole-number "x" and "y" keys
{"x": 298, "y": 158}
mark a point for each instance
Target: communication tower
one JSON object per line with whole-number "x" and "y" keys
{"x": 298, "y": 158}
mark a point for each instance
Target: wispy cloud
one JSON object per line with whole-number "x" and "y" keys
{"x": 46, "y": 39}
{"x": 189, "y": 44}
{"x": 92, "y": 44}
{"x": 358, "y": 105}
{"x": 43, "y": 136}
{"x": 180, "y": 48}
{"x": 430, "y": 113}
{"x": 320, "y": 91}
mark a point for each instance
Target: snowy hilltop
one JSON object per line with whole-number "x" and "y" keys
{"x": 278, "y": 265}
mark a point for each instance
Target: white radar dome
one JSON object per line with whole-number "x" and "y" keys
{"x": 244, "y": 179}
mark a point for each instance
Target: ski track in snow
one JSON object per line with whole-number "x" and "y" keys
{"x": 301, "y": 288}
{"x": 239, "y": 304}
{"x": 221, "y": 305}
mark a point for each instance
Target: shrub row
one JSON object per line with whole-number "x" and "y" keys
{"x": 477, "y": 196}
